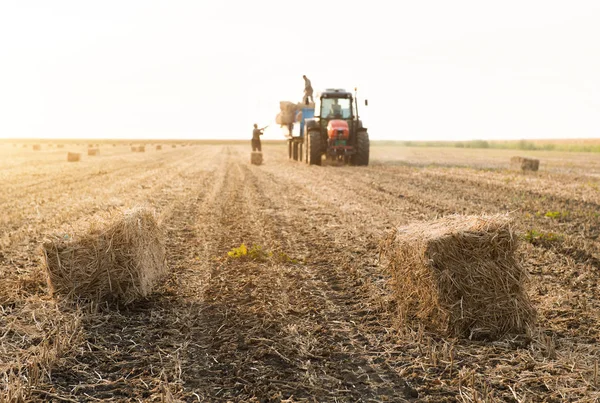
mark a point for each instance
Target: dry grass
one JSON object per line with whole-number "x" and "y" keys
{"x": 525, "y": 164}
{"x": 458, "y": 275}
{"x": 117, "y": 262}
{"x": 73, "y": 157}
{"x": 256, "y": 158}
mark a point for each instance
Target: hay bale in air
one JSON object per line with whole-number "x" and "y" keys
{"x": 36, "y": 147}
{"x": 73, "y": 157}
{"x": 525, "y": 164}
{"x": 117, "y": 262}
{"x": 256, "y": 158}
{"x": 458, "y": 276}
{"x": 93, "y": 151}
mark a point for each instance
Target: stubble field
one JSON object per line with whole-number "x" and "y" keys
{"x": 309, "y": 316}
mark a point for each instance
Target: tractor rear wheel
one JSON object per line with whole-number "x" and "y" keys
{"x": 314, "y": 148}
{"x": 362, "y": 149}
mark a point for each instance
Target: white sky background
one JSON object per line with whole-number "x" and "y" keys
{"x": 432, "y": 70}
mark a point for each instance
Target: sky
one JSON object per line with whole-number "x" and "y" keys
{"x": 431, "y": 70}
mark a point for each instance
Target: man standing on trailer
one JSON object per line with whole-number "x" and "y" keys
{"x": 308, "y": 90}
{"x": 256, "y": 133}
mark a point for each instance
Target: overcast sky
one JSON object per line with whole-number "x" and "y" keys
{"x": 431, "y": 70}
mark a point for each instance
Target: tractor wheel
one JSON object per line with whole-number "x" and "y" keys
{"x": 295, "y": 151}
{"x": 314, "y": 148}
{"x": 290, "y": 149}
{"x": 362, "y": 149}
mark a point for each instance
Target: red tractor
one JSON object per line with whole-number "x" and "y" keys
{"x": 335, "y": 131}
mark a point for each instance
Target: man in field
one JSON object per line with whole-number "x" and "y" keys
{"x": 256, "y": 133}
{"x": 308, "y": 90}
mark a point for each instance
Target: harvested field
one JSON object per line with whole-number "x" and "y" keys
{"x": 305, "y": 310}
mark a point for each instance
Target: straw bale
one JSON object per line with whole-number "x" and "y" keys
{"x": 37, "y": 147}
{"x": 93, "y": 151}
{"x": 119, "y": 261}
{"x": 141, "y": 149}
{"x": 73, "y": 157}
{"x": 525, "y": 164}
{"x": 60, "y": 146}
{"x": 458, "y": 276}
{"x": 256, "y": 158}
{"x": 173, "y": 146}
{"x": 159, "y": 147}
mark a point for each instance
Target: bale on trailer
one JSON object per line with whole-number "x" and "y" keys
{"x": 37, "y": 147}
{"x": 256, "y": 158}
{"x": 73, "y": 157}
{"x": 117, "y": 262}
{"x": 525, "y": 164}
{"x": 458, "y": 276}
{"x": 93, "y": 151}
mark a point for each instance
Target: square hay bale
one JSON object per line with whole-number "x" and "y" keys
{"x": 36, "y": 147}
{"x": 256, "y": 158}
{"x": 120, "y": 261}
{"x": 60, "y": 146}
{"x": 459, "y": 277}
{"x": 141, "y": 149}
{"x": 525, "y": 164}
{"x": 73, "y": 157}
{"x": 93, "y": 151}
{"x": 173, "y": 146}
{"x": 158, "y": 147}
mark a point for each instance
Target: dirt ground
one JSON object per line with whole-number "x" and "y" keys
{"x": 308, "y": 315}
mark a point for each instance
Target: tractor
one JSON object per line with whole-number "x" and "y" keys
{"x": 331, "y": 128}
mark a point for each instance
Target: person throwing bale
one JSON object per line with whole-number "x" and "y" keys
{"x": 256, "y": 133}
{"x": 308, "y": 91}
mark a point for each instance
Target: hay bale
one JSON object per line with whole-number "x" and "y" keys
{"x": 141, "y": 149}
{"x": 117, "y": 262}
{"x": 93, "y": 151}
{"x": 173, "y": 146}
{"x": 458, "y": 276}
{"x": 60, "y": 146}
{"x": 73, "y": 157}
{"x": 36, "y": 147}
{"x": 158, "y": 147}
{"x": 256, "y": 158}
{"x": 525, "y": 164}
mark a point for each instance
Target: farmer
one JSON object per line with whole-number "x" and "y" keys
{"x": 308, "y": 90}
{"x": 256, "y": 133}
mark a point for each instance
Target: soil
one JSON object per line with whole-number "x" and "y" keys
{"x": 307, "y": 315}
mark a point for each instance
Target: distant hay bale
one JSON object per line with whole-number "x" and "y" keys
{"x": 90, "y": 146}
{"x": 138, "y": 149}
{"x": 458, "y": 276}
{"x": 525, "y": 164}
{"x": 159, "y": 147}
{"x": 256, "y": 158}
{"x": 60, "y": 146}
{"x": 173, "y": 145}
{"x": 73, "y": 157}
{"x": 117, "y": 262}
{"x": 93, "y": 151}
{"x": 37, "y": 147}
